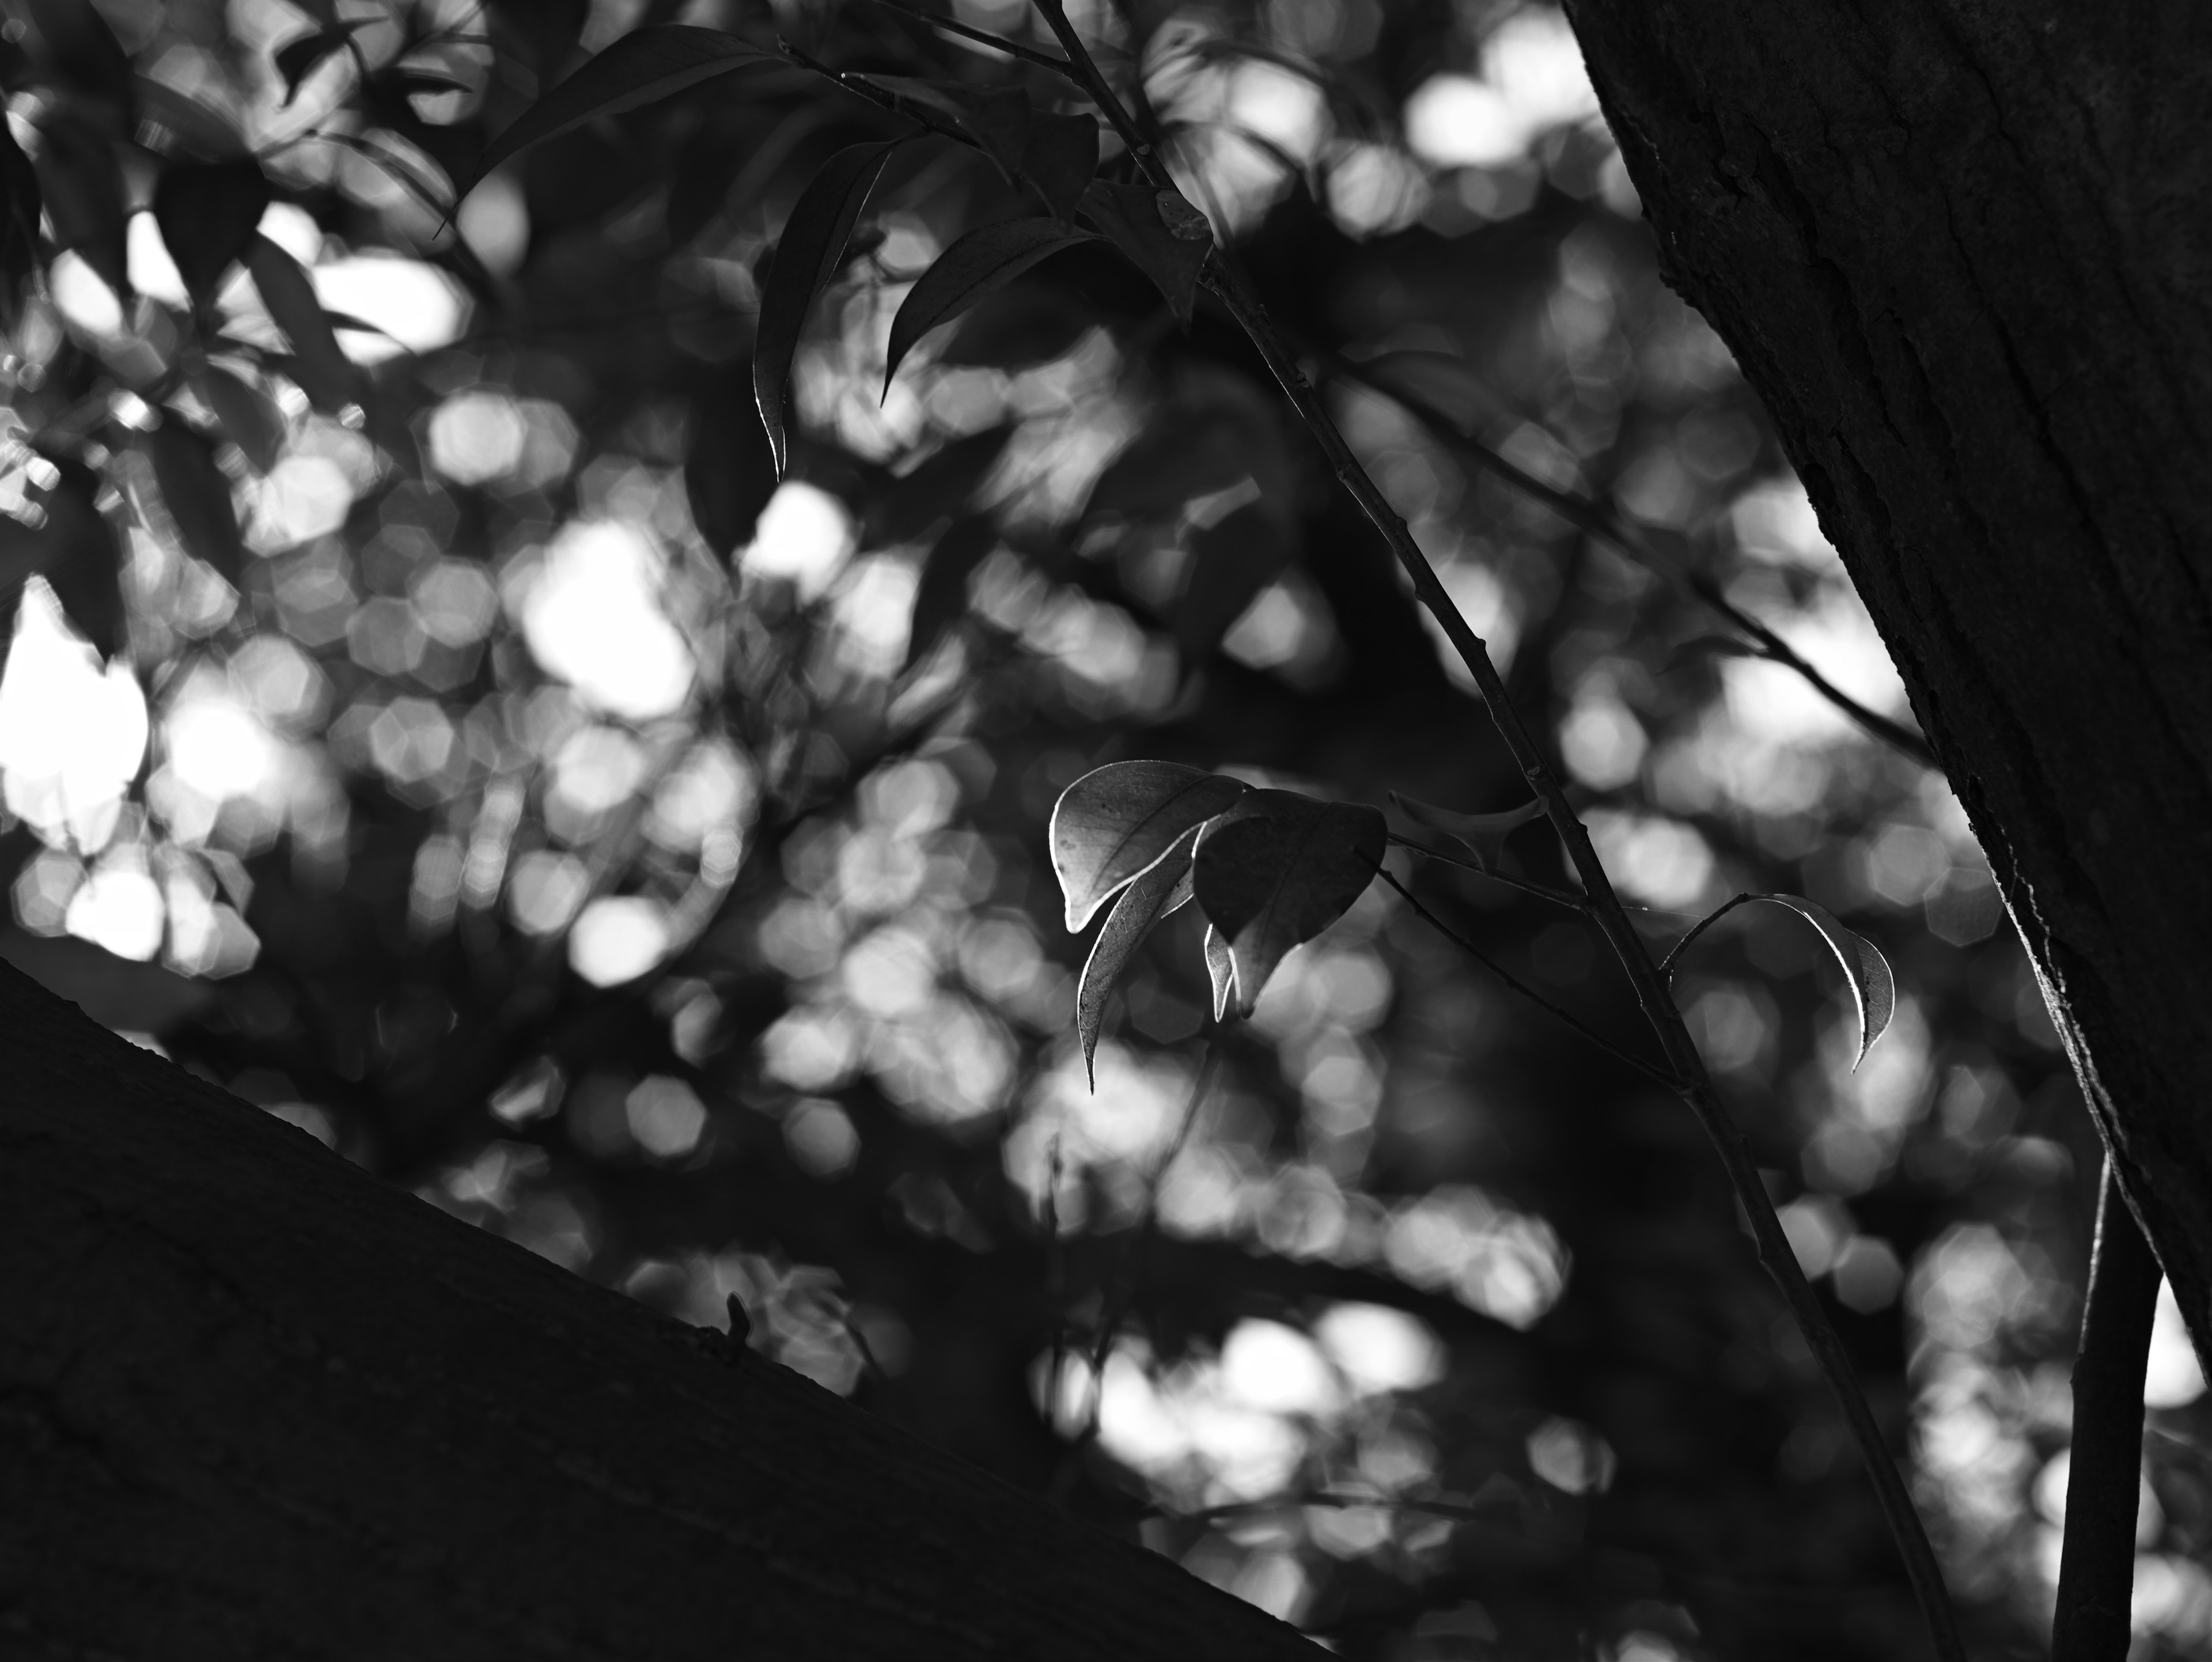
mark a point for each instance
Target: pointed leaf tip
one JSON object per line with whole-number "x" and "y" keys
{"x": 1275, "y": 870}
{"x": 975, "y": 267}
{"x": 1156, "y": 892}
{"x": 807, "y": 258}
{"x": 1114, "y": 823}
{"x": 646, "y": 64}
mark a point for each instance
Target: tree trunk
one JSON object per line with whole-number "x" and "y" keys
{"x": 1964, "y": 252}
{"x": 253, "y": 1402}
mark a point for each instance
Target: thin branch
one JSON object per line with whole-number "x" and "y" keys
{"x": 1030, "y": 55}
{"x": 1542, "y": 892}
{"x": 1594, "y": 520}
{"x": 2104, "y": 1483}
{"x": 1666, "y": 964}
{"x": 1225, "y": 282}
{"x": 1530, "y": 993}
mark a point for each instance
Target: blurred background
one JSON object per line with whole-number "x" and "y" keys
{"x": 465, "y": 749}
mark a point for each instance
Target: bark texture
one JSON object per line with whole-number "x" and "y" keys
{"x": 254, "y": 1404}
{"x": 1963, "y": 249}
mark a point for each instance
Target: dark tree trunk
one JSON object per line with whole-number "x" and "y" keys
{"x": 254, "y": 1404}
{"x": 1963, "y": 249}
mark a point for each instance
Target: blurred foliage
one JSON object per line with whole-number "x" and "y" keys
{"x": 481, "y": 761}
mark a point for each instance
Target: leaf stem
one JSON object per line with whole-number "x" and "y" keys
{"x": 1529, "y": 993}
{"x": 1541, "y": 891}
{"x": 1666, "y": 964}
{"x": 1594, "y": 519}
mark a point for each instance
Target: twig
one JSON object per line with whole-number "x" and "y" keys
{"x": 2103, "y": 1481}
{"x": 1030, "y": 55}
{"x": 1594, "y": 520}
{"x": 1528, "y": 992}
{"x": 1666, "y": 964}
{"x": 1542, "y": 892}
{"x": 1682, "y": 1051}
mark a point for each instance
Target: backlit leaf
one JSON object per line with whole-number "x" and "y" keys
{"x": 979, "y": 263}
{"x": 1276, "y": 869}
{"x": 812, "y": 249}
{"x": 1220, "y": 970}
{"x": 1482, "y": 835}
{"x": 1115, "y": 821}
{"x": 1154, "y": 894}
{"x": 1167, "y": 238}
{"x": 1874, "y": 988}
{"x": 643, "y": 65}
{"x": 208, "y": 213}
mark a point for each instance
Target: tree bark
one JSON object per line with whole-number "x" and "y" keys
{"x": 1964, "y": 252}
{"x": 253, "y": 1402}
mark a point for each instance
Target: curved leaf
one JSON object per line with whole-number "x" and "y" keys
{"x": 1221, "y": 969}
{"x": 1114, "y": 823}
{"x": 1162, "y": 890}
{"x": 978, "y": 264}
{"x": 329, "y": 378}
{"x": 1276, "y": 869}
{"x": 1874, "y": 988}
{"x": 643, "y": 65}
{"x": 811, "y": 248}
{"x": 1483, "y": 834}
{"x": 208, "y": 213}
{"x": 1166, "y": 238}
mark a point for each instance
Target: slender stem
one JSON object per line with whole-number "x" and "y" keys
{"x": 2104, "y": 1482}
{"x": 1528, "y": 992}
{"x": 1541, "y": 891}
{"x": 1775, "y": 1254}
{"x": 1029, "y": 55}
{"x": 1666, "y": 964}
{"x": 1594, "y": 520}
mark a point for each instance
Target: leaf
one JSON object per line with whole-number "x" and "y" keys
{"x": 194, "y": 128}
{"x": 1061, "y": 159}
{"x": 1483, "y": 834}
{"x": 941, "y": 598}
{"x": 84, "y": 196}
{"x": 329, "y": 378}
{"x": 249, "y": 417}
{"x": 18, "y": 225}
{"x": 1163, "y": 889}
{"x": 729, "y": 472}
{"x": 807, "y": 256}
{"x": 297, "y": 59}
{"x": 75, "y": 40}
{"x": 978, "y": 264}
{"x": 1276, "y": 869}
{"x": 84, "y": 559}
{"x": 643, "y": 66}
{"x": 1163, "y": 235}
{"x": 198, "y": 497}
{"x": 1874, "y": 988}
{"x": 208, "y": 213}
{"x": 1221, "y": 969}
{"x": 1114, "y": 822}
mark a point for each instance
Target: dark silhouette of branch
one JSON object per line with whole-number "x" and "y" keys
{"x": 2104, "y": 1483}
